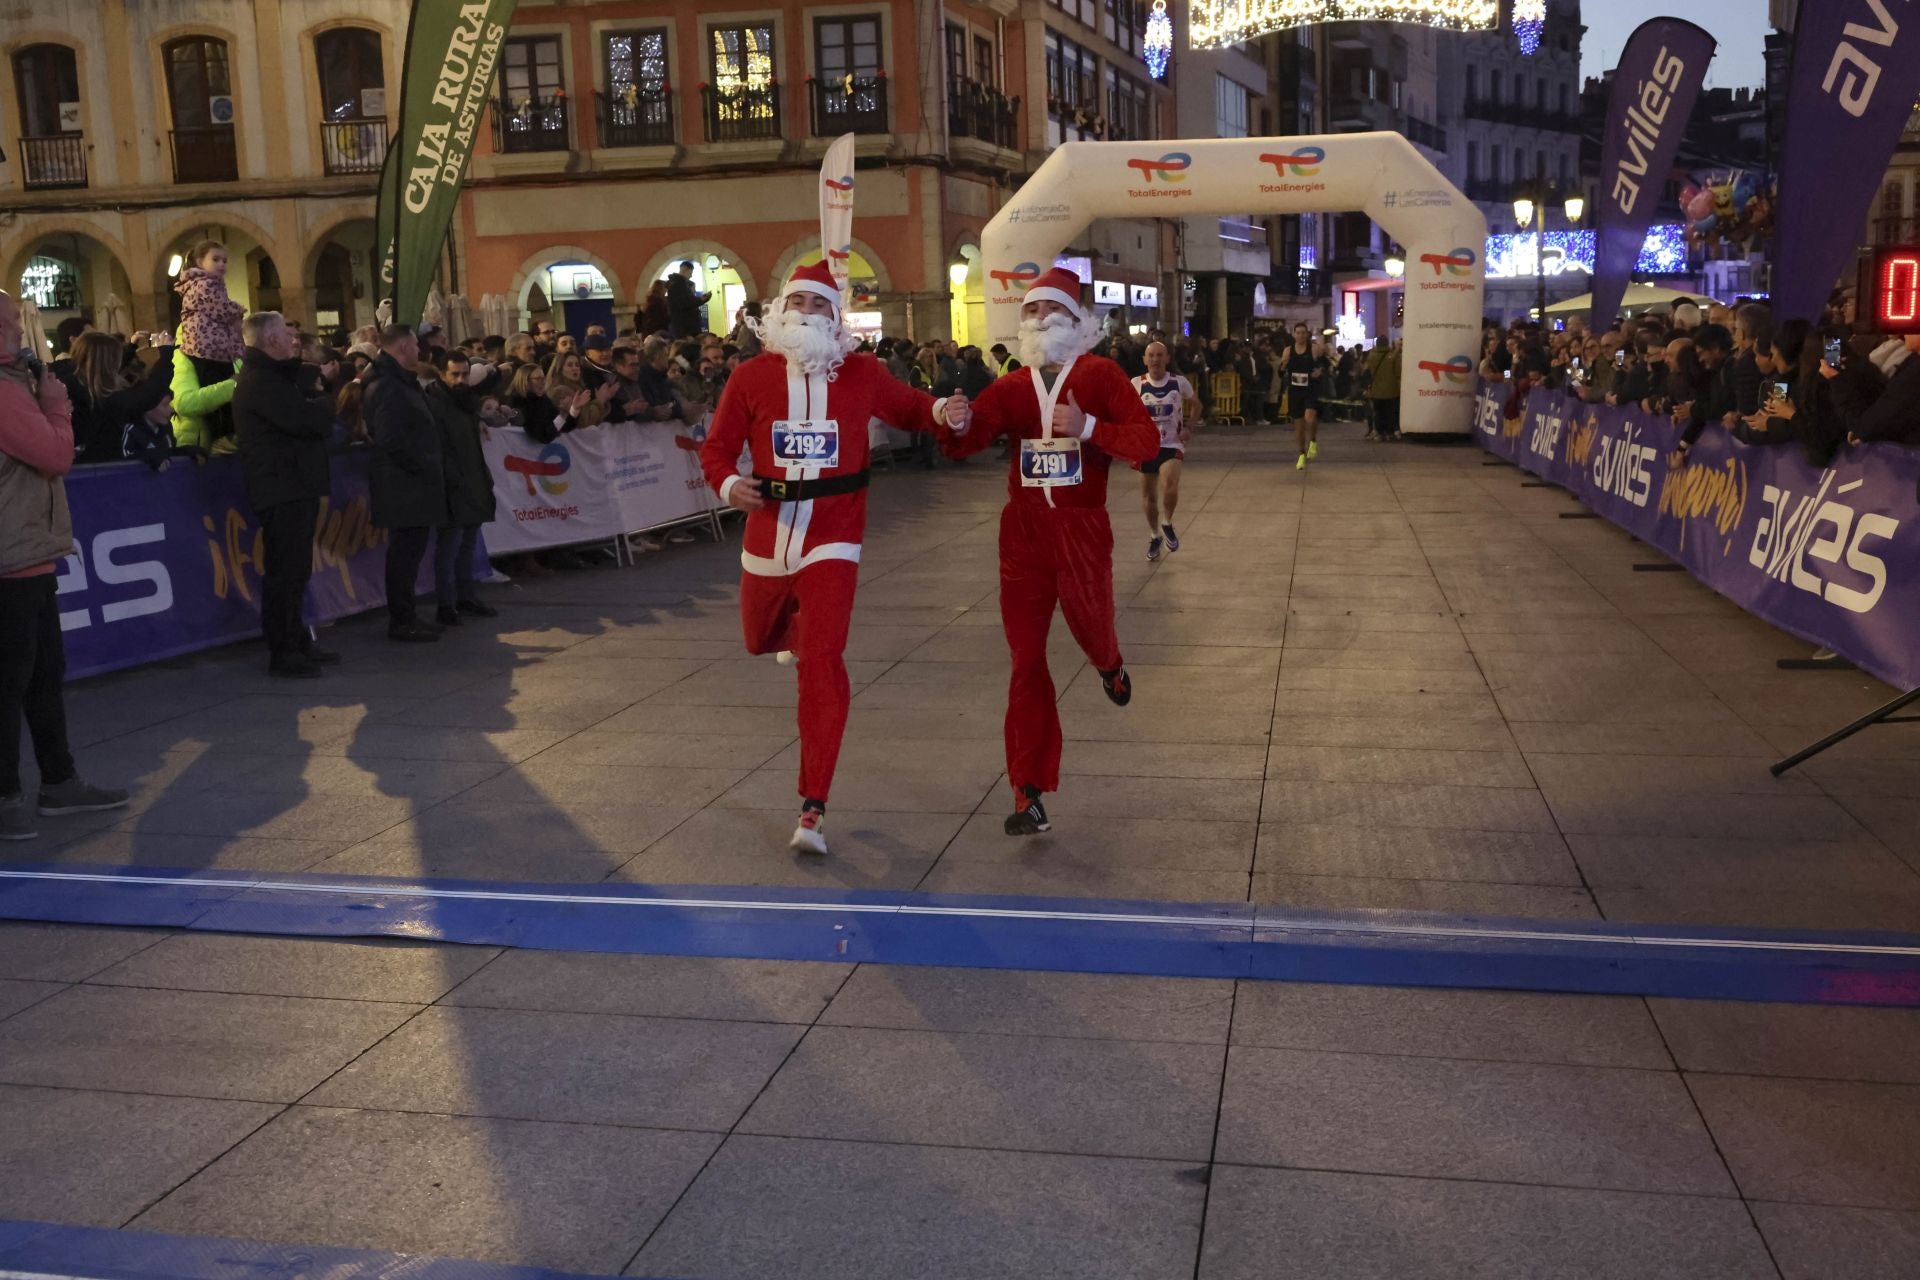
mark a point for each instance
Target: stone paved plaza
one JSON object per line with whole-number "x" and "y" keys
{"x": 1399, "y": 680}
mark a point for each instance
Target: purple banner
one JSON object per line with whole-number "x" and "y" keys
{"x": 1856, "y": 72}
{"x": 169, "y": 562}
{"x": 1654, "y": 89}
{"x": 1832, "y": 556}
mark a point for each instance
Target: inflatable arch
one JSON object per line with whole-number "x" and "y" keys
{"x": 1380, "y": 174}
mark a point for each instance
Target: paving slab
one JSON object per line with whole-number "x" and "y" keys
{"x": 811, "y": 1210}
{"x": 1492, "y": 1121}
{"x": 1342, "y": 1226}
{"x": 538, "y": 1065}
{"x": 1414, "y": 853}
{"x": 332, "y": 968}
{"x": 97, "y": 1159}
{"x": 569, "y": 1197}
{"x": 66, "y": 952}
{"x": 190, "y": 853}
{"x": 1006, "y": 1002}
{"x": 1082, "y": 1097}
{"x": 189, "y": 1043}
{"x": 1814, "y": 1242}
{"x": 1502, "y": 1026}
{"x": 1816, "y": 1141}
{"x": 653, "y": 986}
{"x": 16, "y": 995}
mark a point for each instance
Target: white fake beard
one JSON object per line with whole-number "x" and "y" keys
{"x": 1056, "y": 340}
{"x": 817, "y": 344}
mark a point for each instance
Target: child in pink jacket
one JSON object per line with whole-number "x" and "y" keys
{"x": 210, "y": 335}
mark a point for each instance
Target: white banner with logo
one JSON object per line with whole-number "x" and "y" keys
{"x": 594, "y": 484}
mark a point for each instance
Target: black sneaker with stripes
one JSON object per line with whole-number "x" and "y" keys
{"x": 1118, "y": 686}
{"x": 1031, "y": 817}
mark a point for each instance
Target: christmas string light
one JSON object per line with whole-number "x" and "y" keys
{"x": 1215, "y": 24}
{"x": 1529, "y": 24}
{"x": 1158, "y": 46}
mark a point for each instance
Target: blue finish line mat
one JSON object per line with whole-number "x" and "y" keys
{"x": 1200, "y": 940}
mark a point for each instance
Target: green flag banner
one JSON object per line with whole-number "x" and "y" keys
{"x": 451, "y": 52}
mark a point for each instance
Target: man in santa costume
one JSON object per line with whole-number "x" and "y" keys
{"x": 1066, "y": 416}
{"x": 802, "y": 408}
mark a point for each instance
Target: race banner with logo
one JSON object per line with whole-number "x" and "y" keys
{"x": 1856, "y": 72}
{"x": 452, "y": 49}
{"x": 170, "y": 562}
{"x": 1654, "y": 89}
{"x": 836, "y": 209}
{"x": 1832, "y": 555}
{"x": 593, "y": 485}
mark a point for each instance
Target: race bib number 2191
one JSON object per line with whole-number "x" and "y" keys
{"x": 1050, "y": 463}
{"x": 806, "y": 442}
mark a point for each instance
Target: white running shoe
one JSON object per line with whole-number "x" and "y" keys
{"x": 784, "y": 657}
{"x": 810, "y": 833}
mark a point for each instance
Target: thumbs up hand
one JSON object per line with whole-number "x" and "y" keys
{"x": 1069, "y": 419}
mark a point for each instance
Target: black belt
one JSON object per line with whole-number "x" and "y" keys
{"x": 807, "y": 490}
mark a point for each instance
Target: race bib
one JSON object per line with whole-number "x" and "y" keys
{"x": 806, "y": 442}
{"x": 1049, "y": 464}
{"x": 1299, "y": 379}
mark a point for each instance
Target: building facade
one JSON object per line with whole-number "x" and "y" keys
{"x": 624, "y": 136}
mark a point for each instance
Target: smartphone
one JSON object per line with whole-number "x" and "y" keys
{"x": 1507, "y": 374}
{"x": 30, "y": 362}
{"x": 1620, "y": 359}
{"x": 1780, "y": 390}
{"x": 1834, "y": 346}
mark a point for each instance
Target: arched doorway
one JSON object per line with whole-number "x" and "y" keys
{"x": 67, "y": 274}
{"x": 341, "y": 268}
{"x": 253, "y": 277}
{"x": 967, "y": 305}
{"x": 572, "y": 296}
{"x": 717, "y": 271}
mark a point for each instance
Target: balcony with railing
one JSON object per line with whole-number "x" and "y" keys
{"x": 1489, "y": 190}
{"x": 983, "y": 113}
{"x": 640, "y": 118}
{"x": 1500, "y": 112}
{"x": 205, "y": 154}
{"x": 353, "y": 146}
{"x": 1430, "y": 136}
{"x": 1892, "y": 230}
{"x": 748, "y": 113}
{"x": 47, "y": 164}
{"x": 532, "y": 125}
{"x": 1356, "y": 113}
{"x": 851, "y": 104}
{"x": 1243, "y": 233}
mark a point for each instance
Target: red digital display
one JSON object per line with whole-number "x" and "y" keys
{"x": 1894, "y": 306}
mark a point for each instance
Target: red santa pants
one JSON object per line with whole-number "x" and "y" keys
{"x": 1050, "y": 556}
{"x": 808, "y": 613}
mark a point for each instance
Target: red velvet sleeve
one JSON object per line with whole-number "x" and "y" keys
{"x": 899, "y": 405}
{"x": 727, "y": 433}
{"x": 995, "y": 412}
{"x": 1121, "y": 424}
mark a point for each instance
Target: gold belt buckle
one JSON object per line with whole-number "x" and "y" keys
{"x": 777, "y": 488}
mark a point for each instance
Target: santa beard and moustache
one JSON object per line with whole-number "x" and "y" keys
{"x": 1056, "y": 339}
{"x": 816, "y": 344}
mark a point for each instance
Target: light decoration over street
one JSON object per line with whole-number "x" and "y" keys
{"x": 1529, "y": 23}
{"x": 1158, "y": 46}
{"x": 1215, "y": 24}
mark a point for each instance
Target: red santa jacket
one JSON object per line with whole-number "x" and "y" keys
{"x": 1118, "y": 427}
{"x": 785, "y": 537}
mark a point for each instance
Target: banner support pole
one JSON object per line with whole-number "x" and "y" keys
{"x": 1884, "y": 715}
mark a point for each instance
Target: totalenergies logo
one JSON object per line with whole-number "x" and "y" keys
{"x": 1459, "y": 262}
{"x": 545, "y": 470}
{"x": 1171, "y": 167}
{"x": 1010, "y": 281}
{"x": 1304, "y": 163}
{"x": 839, "y": 184}
{"x": 1456, "y": 370}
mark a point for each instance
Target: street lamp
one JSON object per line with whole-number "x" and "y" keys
{"x": 1396, "y": 268}
{"x": 1523, "y": 216}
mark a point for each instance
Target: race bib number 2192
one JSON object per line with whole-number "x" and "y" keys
{"x": 806, "y": 442}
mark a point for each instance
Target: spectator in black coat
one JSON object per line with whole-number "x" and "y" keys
{"x": 684, "y": 303}
{"x": 282, "y": 418}
{"x": 1872, "y": 408}
{"x": 1715, "y": 398}
{"x": 1806, "y": 414}
{"x": 105, "y": 402}
{"x": 469, "y": 491}
{"x": 408, "y": 474}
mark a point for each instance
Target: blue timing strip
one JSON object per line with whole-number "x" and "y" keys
{"x": 49, "y": 1251}
{"x": 1234, "y": 940}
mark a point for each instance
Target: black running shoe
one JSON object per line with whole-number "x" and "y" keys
{"x": 1030, "y": 818}
{"x": 1173, "y": 539}
{"x": 1118, "y": 686}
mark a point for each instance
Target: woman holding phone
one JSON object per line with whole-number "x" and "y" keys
{"x": 1798, "y": 407}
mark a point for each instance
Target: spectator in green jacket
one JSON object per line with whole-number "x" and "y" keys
{"x": 201, "y": 416}
{"x": 1383, "y": 389}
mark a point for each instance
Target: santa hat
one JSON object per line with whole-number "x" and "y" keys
{"x": 817, "y": 278}
{"x": 1058, "y": 285}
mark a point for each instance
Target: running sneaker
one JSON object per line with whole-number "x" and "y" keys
{"x": 1173, "y": 539}
{"x": 1029, "y": 816}
{"x": 1118, "y": 686}
{"x": 1313, "y": 448}
{"x": 784, "y": 657}
{"x": 1302, "y": 464}
{"x": 1153, "y": 549}
{"x": 810, "y": 833}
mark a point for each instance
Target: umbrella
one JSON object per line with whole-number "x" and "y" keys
{"x": 463, "y": 322}
{"x": 115, "y": 315}
{"x": 32, "y": 326}
{"x": 435, "y": 312}
{"x": 1639, "y": 297}
{"x": 495, "y": 316}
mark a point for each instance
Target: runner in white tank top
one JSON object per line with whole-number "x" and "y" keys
{"x": 1171, "y": 404}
